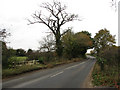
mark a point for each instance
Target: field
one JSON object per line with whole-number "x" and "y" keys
{"x": 17, "y": 59}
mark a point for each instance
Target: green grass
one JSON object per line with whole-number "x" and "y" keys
{"x": 18, "y": 59}
{"x": 21, "y": 58}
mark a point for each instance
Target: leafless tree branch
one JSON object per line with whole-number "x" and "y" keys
{"x": 57, "y": 17}
{"x": 55, "y": 20}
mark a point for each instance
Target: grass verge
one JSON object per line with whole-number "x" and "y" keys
{"x": 109, "y": 77}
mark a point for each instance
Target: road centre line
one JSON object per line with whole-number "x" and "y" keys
{"x": 37, "y": 80}
{"x": 32, "y": 81}
{"x": 74, "y": 66}
{"x": 57, "y": 74}
{"x": 66, "y": 69}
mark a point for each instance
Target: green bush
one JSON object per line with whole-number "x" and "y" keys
{"x": 41, "y": 60}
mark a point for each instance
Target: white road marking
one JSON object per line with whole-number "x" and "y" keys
{"x": 32, "y": 81}
{"x": 67, "y": 69}
{"x": 35, "y": 80}
{"x": 14, "y": 80}
{"x": 74, "y": 66}
{"x": 56, "y": 74}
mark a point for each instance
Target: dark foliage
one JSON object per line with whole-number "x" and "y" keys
{"x": 20, "y": 52}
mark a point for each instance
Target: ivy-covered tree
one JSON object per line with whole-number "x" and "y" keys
{"x": 3, "y": 48}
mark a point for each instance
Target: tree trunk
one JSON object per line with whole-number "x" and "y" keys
{"x": 59, "y": 47}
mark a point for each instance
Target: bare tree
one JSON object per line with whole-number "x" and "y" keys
{"x": 3, "y": 34}
{"x": 114, "y": 4}
{"x": 56, "y": 18}
{"x": 48, "y": 44}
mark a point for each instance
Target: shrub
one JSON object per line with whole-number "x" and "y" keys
{"x": 41, "y": 60}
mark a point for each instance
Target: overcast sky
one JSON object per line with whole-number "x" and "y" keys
{"x": 95, "y": 15}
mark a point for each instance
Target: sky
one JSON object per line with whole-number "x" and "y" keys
{"x": 95, "y": 15}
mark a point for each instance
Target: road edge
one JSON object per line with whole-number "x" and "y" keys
{"x": 88, "y": 81}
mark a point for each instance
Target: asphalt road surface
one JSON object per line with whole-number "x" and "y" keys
{"x": 71, "y": 75}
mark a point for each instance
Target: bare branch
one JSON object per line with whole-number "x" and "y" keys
{"x": 48, "y": 43}
{"x": 54, "y": 20}
{"x": 4, "y": 34}
{"x": 66, "y": 31}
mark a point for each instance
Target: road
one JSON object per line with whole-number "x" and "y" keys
{"x": 71, "y": 75}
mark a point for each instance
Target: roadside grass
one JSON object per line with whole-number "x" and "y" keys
{"x": 109, "y": 77}
{"x": 6, "y": 73}
{"x": 20, "y": 70}
{"x": 62, "y": 61}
